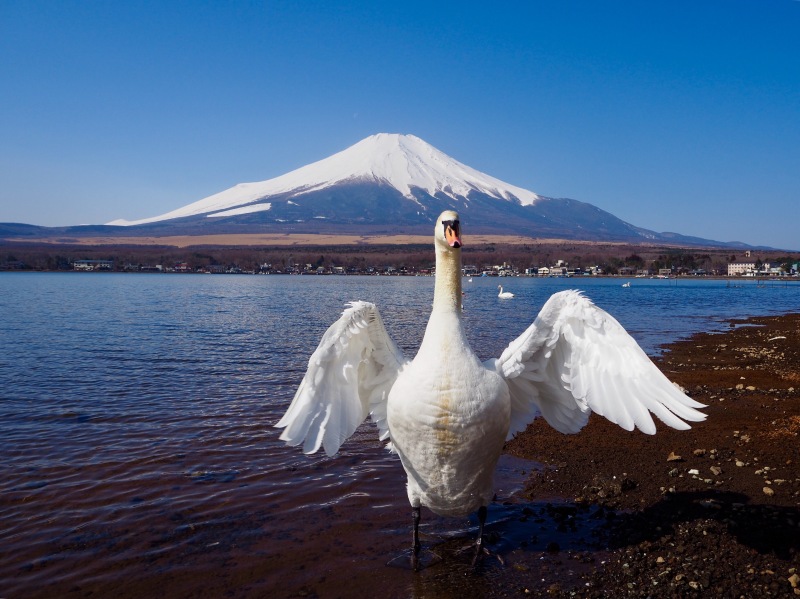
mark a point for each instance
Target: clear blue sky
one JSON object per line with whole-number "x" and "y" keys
{"x": 680, "y": 115}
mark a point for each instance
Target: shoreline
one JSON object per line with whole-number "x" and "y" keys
{"x": 387, "y": 254}
{"x": 715, "y": 509}
{"x": 789, "y": 279}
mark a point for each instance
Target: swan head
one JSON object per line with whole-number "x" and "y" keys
{"x": 448, "y": 230}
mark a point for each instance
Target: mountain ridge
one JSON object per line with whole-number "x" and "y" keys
{"x": 384, "y": 183}
{"x": 403, "y": 162}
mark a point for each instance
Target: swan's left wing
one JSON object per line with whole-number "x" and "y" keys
{"x": 576, "y": 358}
{"x": 349, "y": 376}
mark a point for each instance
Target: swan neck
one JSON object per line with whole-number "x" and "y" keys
{"x": 447, "y": 290}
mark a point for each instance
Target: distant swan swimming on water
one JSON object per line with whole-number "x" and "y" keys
{"x": 447, "y": 414}
{"x": 504, "y": 294}
{"x": 628, "y": 284}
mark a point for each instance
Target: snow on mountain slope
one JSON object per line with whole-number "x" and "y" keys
{"x": 402, "y": 161}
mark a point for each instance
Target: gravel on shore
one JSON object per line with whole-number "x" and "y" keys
{"x": 713, "y": 511}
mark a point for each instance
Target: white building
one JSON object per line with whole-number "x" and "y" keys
{"x": 738, "y": 269}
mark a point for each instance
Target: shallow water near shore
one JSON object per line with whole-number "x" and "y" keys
{"x": 139, "y": 455}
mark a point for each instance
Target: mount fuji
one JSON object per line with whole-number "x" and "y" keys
{"x": 401, "y": 165}
{"x": 384, "y": 184}
{"x": 389, "y": 183}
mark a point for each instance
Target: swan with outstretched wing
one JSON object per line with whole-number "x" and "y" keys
{"x": 447, "y": 414}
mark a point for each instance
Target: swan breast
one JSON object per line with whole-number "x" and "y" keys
{"x": 448, "y": 421}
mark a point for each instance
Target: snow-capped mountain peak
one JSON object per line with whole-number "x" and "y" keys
{"x": 404, "y": 162}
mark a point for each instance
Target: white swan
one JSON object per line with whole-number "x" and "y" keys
{"x": 504, "y": 294}
{"x": 447, "y": 415}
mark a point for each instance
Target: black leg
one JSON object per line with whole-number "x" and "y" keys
{"x": 479, "y": 541}
{"x": 415, "y": 516}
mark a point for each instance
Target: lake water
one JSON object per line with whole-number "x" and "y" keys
{"x": 138, "y": 452}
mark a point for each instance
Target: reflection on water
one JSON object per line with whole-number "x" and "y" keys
{"x": 139, "y": 457}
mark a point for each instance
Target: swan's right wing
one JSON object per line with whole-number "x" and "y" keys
{"x": 349, "y": 376}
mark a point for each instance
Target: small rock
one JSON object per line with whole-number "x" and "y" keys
{"x": 694, "y": 471}
{"x": 739, "y": 463}
{"x": 699, "y": 452}
{"x": 673, "y": 457}
{"x": 794, "y": 580}
{"x": 716, "y": 470}
{"x": 768, "y": 491}
{"x": 660, "y": 560}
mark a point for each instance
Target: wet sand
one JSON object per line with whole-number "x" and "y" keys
{"x": 714, "y": 511}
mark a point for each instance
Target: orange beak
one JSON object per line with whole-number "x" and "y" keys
{"x": 452, "y": 234}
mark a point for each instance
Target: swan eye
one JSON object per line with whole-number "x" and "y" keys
{"x": 453, "y": 225}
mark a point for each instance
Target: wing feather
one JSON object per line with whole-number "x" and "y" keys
{"x": 349, "y": 377}
{"x": 576, "y": 358}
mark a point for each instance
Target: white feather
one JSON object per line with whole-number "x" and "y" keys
{"x": 600, "y": 366}
{"x": 447, "y": 414}
{"x": 349, "y": 376}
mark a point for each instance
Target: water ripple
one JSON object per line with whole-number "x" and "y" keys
{"x": 137, "y": 414}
